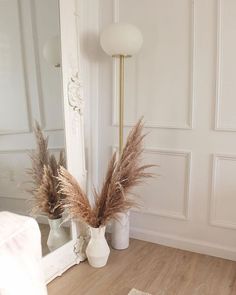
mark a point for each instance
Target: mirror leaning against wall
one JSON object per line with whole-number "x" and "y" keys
{"x": 34, "y": 117}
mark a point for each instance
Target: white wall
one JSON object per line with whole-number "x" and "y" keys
{"x": 183, "y": 82}
{"x": 29, "y": 89}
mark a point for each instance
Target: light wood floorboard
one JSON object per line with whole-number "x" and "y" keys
{"x": 152, "y": 268}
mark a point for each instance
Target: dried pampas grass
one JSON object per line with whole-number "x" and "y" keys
{"x": 47, "y": 199}
{"x": 122, "y": 175}
{"x": 44, "y": 172}
{"x": 39, "y": 157}
{"x": 76, "y": 201}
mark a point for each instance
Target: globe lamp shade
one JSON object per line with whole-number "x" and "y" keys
{"x": 121, "y": 39}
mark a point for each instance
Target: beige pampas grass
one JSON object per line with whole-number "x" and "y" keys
{"x": 44, "y": 172}
{"x": 39, "y": 157}
{"x": 76, "y": 201}
{"x": 47, "y": 199}
{"x": 122, "y": 175}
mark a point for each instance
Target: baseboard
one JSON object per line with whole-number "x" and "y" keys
{"x": 192, "y": 245}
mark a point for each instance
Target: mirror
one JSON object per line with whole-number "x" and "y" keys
{"x": 30, "y": 89}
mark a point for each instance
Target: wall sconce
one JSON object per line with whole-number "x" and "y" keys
{"x": 121, "y": 40}
{"x": 52, "y": 51}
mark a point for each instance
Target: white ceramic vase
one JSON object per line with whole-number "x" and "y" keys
{"x": 120, "y": 232}
{"x": 57, "y": 235}
{"x": 97, "y": 250}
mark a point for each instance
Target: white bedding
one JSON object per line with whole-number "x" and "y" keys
{"x": 20, "y": 256}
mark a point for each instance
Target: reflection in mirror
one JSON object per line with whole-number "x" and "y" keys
{"x": 30, "y": 90}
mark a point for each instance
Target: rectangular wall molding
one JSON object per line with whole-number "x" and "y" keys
{"x": 40, "y": 69}
{"x": 225, "y": 119}
{"x": 14, "y": 12}
{"x": 185, "y": 105}
{"x": 182, "y": 189}
{"x": 13, "y": 180}
{"x": 223, "y": 193}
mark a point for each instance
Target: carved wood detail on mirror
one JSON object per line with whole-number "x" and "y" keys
{"x": 75, "y": 98}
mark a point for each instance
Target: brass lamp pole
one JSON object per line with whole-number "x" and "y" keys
{"x": 121, "y": 98}
{"x": 121, "y": 102}
{"x": 121, "y": 40}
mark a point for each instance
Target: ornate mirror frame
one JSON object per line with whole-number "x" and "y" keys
{"x": 66, "y": 256}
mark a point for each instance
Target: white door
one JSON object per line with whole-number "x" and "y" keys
{"x": 184, "y": 83}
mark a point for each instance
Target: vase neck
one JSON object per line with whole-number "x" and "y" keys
{"x": 98, "y": 232}
{"x": 55, "y": 223}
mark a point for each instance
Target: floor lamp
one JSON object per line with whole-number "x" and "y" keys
{"x": 120, "y": 41}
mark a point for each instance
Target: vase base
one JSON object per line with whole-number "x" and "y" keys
{"x": 119, "y": 247}
{"x": 120, "y": 242}
{"x": 97, "y": 262}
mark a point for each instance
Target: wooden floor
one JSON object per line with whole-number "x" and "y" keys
{"x": 152, "y": 268}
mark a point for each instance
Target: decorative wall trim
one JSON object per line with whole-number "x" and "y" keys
{"x": 28, "y": 131}
{"x": 21, "y": 151}
{"x": 212, "y": 216}
{"x": 14, "y": 132}
{"x": 75, "y": 96}
{"x": 12, "y": 197}
{"x": 184, "y": 215}
{"x": 17, "y": 151}
{"x": 218, "y": 126}
{"x": 16, "y": 205}
{"x": 187, "y": 244}
{"x": 162, "y": 125}
{"x": 40, "y": 96}
{"x": 161, "y": 213}
{"x": 185, "y": 212}
{"x": 20, "y": 29}
{"x": 37, "y": 70}
{"x": 37, "y": 64}
{"x": 23, "y": 54}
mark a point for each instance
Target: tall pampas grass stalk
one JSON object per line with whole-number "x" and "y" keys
{"x": 44, "y": 172}
{"x": 122, "y": 175}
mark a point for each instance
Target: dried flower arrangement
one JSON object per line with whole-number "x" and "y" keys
{"x": 122, "y": 175}
{"x": 44, "y": 172}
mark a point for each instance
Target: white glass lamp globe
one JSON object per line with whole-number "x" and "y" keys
{"x": 121, "y": 39}
{"x": 52, "y": 51}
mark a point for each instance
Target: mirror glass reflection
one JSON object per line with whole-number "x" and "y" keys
{"x": 30, "y": 91}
